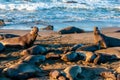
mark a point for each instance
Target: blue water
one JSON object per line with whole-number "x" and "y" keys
{"x": 22, "y": 14}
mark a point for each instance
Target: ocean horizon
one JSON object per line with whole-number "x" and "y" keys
{"x": 84, "y": 14}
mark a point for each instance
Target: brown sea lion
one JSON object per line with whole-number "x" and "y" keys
{"x": 72, "y": 72}
{"x": 99, "y": 38}
{"x": 22, "y": 41}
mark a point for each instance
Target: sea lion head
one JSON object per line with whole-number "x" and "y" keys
{"x": 96, "y": 30}
{"x": 34, "y": 30}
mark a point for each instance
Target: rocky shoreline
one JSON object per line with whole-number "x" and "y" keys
{"x": 54, "y": 46}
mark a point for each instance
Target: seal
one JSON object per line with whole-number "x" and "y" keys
{"x": 72, "y": 72}
{"x": 99, "y": 38}
{"x": 22, "y": 41}
{"x": 21, "y": 71}
{"x": 34, "y": 50}
{"x": 34, "y": 59}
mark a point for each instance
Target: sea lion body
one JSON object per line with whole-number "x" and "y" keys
{"x": 22, "y": 41}
{"x": 72, "y": 72}
{"x": 99, "y": 38}
{"x": 21, "y": 71}
{"x": 34, "y": 50}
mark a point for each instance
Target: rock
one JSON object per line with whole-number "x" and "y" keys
{"x": 69, "y": 30}
{"x": 34, "y": 50}
{"x": 49, "y": 27}
{"x": 2, "y": 47}
{"x": 21, "y": 71}
{"x": 72, "y": 72}
{"x": 2, "y": 22}
{"x": 34, "y": 59}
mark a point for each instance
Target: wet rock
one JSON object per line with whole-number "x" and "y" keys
{"x": 72, "y": 72}
{"x": 49, "y": 27}
{"x": 34, "y": 50}
{"x": 34, "y": 59}
{"x": 21, "y": 71}
{"x": 2, "y": 23}
{"x": 69, "y": 30}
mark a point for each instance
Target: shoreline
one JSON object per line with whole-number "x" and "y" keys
{"x": 85, "y": 25}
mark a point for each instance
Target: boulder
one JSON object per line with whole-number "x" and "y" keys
{"x": 69, "y": 30}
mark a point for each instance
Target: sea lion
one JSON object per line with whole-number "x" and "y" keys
{"x": 34, "y": 59}
{"x": 5, "y": 36}
{"x": 49, "y": 27}
{"x": 72, "y": 72}
{"x": 2, "y": 47}
{"x": 34, "y": 50}
{"x": 69, "y": 30}
{"x": 22, "y": 41}
{"x": 21, "y": 71}
{"x": 54, "y": 74}
{"x": 69, "y": 56}
{"x": 99, "y": 38}
{"x": 87, "y": 56}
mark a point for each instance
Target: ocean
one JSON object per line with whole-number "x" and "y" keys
{"x": 84, "y": 14}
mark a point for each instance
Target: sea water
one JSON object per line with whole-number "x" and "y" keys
{"x": 85, "y": 14}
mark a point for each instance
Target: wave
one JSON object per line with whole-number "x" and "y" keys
{"x": 32, "y": 5}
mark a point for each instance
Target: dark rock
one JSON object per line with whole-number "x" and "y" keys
{"x": 75, "y": 47}
{"x": 2, "y": 22}
{"x": 70, "y": 30}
